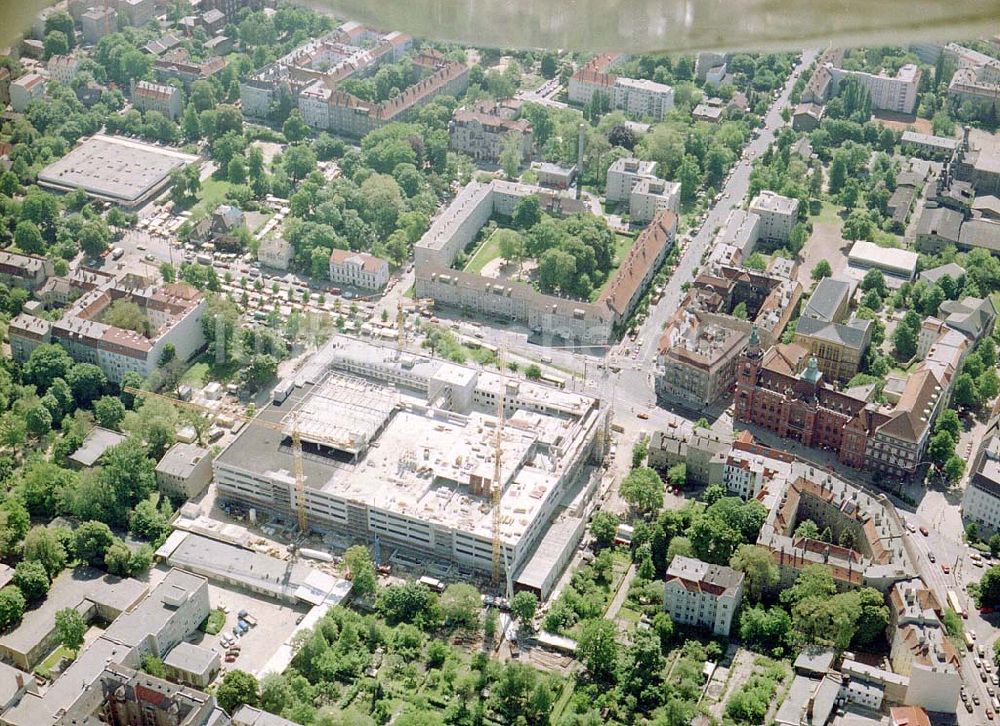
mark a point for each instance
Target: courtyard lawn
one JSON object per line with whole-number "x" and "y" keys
{"x": 487, "y": 252}
{"x": 44, "y": 669}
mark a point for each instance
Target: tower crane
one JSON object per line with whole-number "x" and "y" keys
{"x": 497, "y": 487}
{"x": 299, "y": 493}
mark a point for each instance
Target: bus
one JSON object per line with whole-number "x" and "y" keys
{"x": 956, "y": 605}
{"x": 969, "y": 642}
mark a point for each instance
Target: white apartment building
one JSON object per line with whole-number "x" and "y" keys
{"x": 624, "y": 174}
{"x": 702, "y": 595}
{"x": 746, "y": 473}
{"x": 643, "y": 98}
{"x": 63, "y": 68}
{"x": 981, "y": 502}
{"x": 358, "y": 269}
{"x": 777, "y": 214}
{"x": 29, "y": 87}
{"x": 184, "y": 471}
{"x": 275, "y": 252}
{"x": 650, "y": 197}
{"x": 888, "y": 93}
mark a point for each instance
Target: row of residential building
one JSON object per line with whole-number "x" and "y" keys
{"x": 597, "y": 321}
{"x": 896, "y": 93}
{"x": 636, "y": 97}
{"x": 173, "y": 313}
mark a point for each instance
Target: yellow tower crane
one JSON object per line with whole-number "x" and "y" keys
{"x": 299, "y": 494}
{"x": 497, "y": 488}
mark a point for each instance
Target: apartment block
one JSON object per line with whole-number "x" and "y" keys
{"x": 173, "y": 314}
{"x": 698, "y": 356}
{"x": 777, "y": 214}
{"x": 63, "y": 68}
{"x": 29, "y": 87}
{"x": 311, "y": 74}
{"x": 276, "y": 252}
{"x": 483, "y": 135}
{"x": 637, "y": 97}
{"x": 896, "y": 93}
{"x": 149, "y": 96}
{"x": 623, "y": 175}
{"x": 981, "y": 501}
{"x": 184, "y": 471}
{"x": 457, "y": 226}
{"x": 703, "y": 451}
{"x": 358, "y": 269}
{"x": 97, "y": 22}
{"x": 650, "y": 197}
{"x": 702, "y": 595}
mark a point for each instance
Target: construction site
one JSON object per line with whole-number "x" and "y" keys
{"x": 424, "y": 459}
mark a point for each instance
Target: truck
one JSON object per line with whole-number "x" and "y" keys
{"x": 116, "y": 253}
{"x": 955, "y": 604}
{"x": 203, "y": 259}
{"x": 250, "y": 620}
{"x": 432, "y": 582}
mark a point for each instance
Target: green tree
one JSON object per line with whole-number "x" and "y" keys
{"x": 71, "y": 627}
{"x": 43, "y": 545}
{"x": 153, "y": 666}
{"x": 91, "y": 542}
{"x": 873, "y": 618}
{"x": 940, "y": 448}
{"x": 643, "y": 490}
{"x": 28, "y": 237}
{"x": 821, "y": 269}
{"x": 523, "y": 606}
{"x": 964, "y": 393}
{"x": 31, "y": 579}
{"x": 11, "y": 606}
{"x": 527, "y": 212}
{"x": 604, "y": 528}
{"x": 460, "y": 604}
{"x": 758, "y": 566}
{"x": 597, "y": 650}
{"x": 359, "y": 563}
{"x": 238, "y": 688}
{"x": 677, "y": 475}
{"x": 510, "y": 154}
{"x": 532, "y": 372}
{"x": 55, "y": 43}
{"x": 38, "y": 420}
{"x": 295, "y": 128}
{"x": 109, "y": 412}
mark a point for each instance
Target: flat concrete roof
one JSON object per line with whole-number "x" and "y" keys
{"x": 190, "y": 658}
{"x": 68, "y": 590}
{"x": 113, "y": 168}
{"x": 259, "y": 572}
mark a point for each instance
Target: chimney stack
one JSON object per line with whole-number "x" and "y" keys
{"x": 579, "y": 160}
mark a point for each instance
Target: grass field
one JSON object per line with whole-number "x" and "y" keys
{"x": 212, "y": 194}
{"x": 487, "y": 252}
{"x": 44, "y": 669}
{"x": 196, "y": 376}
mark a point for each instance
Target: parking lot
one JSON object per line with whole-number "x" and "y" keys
{"x": 275, "y": 622}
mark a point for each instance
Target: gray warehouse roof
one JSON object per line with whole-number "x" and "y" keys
{"x": 952, "y": 270}
{"x": 114, "y": 168}
{"x": 941, "y": 222}
{"x": 250, "y": 716}
{"x": 95, "y": 443}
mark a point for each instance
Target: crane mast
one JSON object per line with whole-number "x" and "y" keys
{"x": 497, "y": 489}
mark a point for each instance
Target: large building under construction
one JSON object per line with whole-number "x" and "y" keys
{"x": 401, "y": 449}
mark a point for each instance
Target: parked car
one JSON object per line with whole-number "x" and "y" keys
{"x": 923, "y": 531}
{"x": 945, "y": 569}
{"x": 932, "y": 557}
